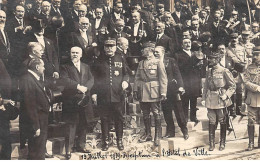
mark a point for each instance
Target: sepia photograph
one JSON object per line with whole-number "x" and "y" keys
{"x": 129, "y": 80}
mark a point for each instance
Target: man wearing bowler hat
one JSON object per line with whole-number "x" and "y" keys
{"x": 252, "y": 84}
{"x": 111, "y": 80}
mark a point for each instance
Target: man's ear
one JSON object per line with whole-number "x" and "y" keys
{"x": 37, "y": 67}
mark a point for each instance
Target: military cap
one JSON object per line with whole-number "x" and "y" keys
{"x": 149, "y": 44}
{"x": 256, "y": 50}
{"x": 234, "y": 12}
{"x": 160, "y": 5}
{"x": 234, "y": 35}
{"x": 246, "y": 32}
{"x": 196, "y": 45}
{"x": 110, "y": 41}
{"x": 214, "y": 55}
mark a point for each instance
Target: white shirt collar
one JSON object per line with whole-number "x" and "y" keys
{"x": 188, "y": 52}
{"x": 160, "y": 35}
{"x": 34, "y": 74}
{"x": 77, "y": 65}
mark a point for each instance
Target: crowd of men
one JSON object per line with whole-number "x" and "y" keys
{"x": 91, "y": 54}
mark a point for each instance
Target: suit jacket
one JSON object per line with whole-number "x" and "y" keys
{"x": 173, "y": 75}
{"x": 50, "y": 53}
{"x": 4, "y": 48}
{"x": 116, "y": 35}
{"x": 178, "y": 20}
{"x": 166, "y": 42}
{"x": 195, "y": 37}
{"x": 218, "y": 34}
{"x": 70, "y": 78}
{"x": 109, "y": 74}
{"x": 150, "y": 83}
{"x": 190, "y": 72}
{"x": 104, "y": 23}
{"x": 87, "y": 48}
{"x": 35, "y": 105}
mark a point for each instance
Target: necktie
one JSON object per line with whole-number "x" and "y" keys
{"x": 20, "y": 22}
{"x": 157, "y": 38}
{"x": 77, "y": 66}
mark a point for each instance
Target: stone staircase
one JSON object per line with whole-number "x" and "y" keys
{"x": 198, "y": 137}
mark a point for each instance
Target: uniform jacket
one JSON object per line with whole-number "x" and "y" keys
{"x": 35, "y": 105}
{"x": 252, "y": 81}
{"x": 70, "y": 78}
{"x": 191, "y": 73}
{"x": 173, "y": 75}
{"x": 109, "y": 72}
{"x": 219, "y": 81}
{"x": 150, "y": 81}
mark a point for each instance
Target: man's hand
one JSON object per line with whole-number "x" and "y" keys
{"x": 94, "y": 98}
{"x": 82, "y": 89}
{"x": 19, "y": 28}
{"x": 2, "y": 107}
{"x": 124, "y": 85}
{"x": 163, "y": 97}
{"x": 94, "y": 44}
{"x": 203, "y": 103}
{"x": 56, "y": 75}
{"x": 181, "y": 90}
{"x": 27, "y": 28}
{"x": 223, "y": 97}
{"x": 37, "y": 133}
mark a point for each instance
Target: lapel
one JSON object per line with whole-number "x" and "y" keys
{"x": 80, "y": 39}
{"x": 48, "y": 49}
{"x": 40, "y": 86}
{"x": 82, "y": 72}
{"x": 75, "y": 71}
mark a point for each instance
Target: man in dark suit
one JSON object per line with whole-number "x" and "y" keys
{"x": 162, "y": 40}
{"x": 77, "y": 110}
{"x": 118, "y": 30}
{"x": 111, "y": 79}
{"x": 56, "y": 9}
{"x": 190, "y": 72}
{"x": 4, "y": 41}
{"x": 174, "y": 90}
{"x": 116, "y": 14}
{"x": 100, "y": 26}
{"x": 84, "y": 39}
{"x": 36, "y": 10}
{"x": 204, "y": 24}
{"x": 196, "y": 31}
{"x": 35, "y": 106}
{"x": 17, "y": 28}
{"x": 139, "y": 33}
{"x": 50, "y": 56}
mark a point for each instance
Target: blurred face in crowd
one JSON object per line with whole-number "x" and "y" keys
{"x": 196, "y": 11}
{"x": 255, "y": 27}
{"x": 20, "y": 2}
{"x": 136, "y": 17}
{"x": 110, "y": 50}
{"x": 178, "y": 6}
{"x": 159, "y": 28}
{"x": 222, "y": 11}
{"x": 186, "y": 44}
{"x": 75, "y": 54}
{"x": 159, "y": 52}
{"x": 76, "y": 4}
{"x": 84, "y": 23}
{"x": 38, "y": 2}
{"x": 2, "y": 19}
{"x": 46, "y": 7}
{"x": 40, "y": 68}
{"x": 99, "y": 13}
{"x": 19, "y": 12}
{"x": 120, "y": 26}
{"x": 195, "y": 25}
{"x": 222, "y": 50}
{"x": 38, "y": 51}
{"x": 149, "y": 6}
{"x": 118, "y": 8}
{"x": 207, "y": 9}
{"x": 148, "y": 53}
{"x": 56, "y": 3}
{"x": 123, "y": 44}
{"x": 186, "y": 34}
{"x": 243, "y": 19}
{"x": 160, "y": 10}
{"x": 217, "y": 15}
{"x": 82, "y": 10}
{"x": 245, "y": 37}
{"x": 234, "y": 41}
{"x": 256, "y": 57}
{"x": 203, "y": 14}
{"x": 213, "y": 62}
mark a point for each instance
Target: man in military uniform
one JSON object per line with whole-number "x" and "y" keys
{"x": 252, "y": 84}
{"x": 111, "y": 79}
{"x": 150, "y": 87}
{"x": 219, "y": 87}
{"x": 239, "y": 59}
{"x": 246, "y": 43}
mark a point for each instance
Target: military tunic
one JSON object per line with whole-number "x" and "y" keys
{"x": 219, "y": 81}
{"x": 252, "y": 83}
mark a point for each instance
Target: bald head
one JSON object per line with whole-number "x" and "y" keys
{"x": 82, "y": 10}
{"x": 46, "y": 7}
{"x": 84, "y": 23}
